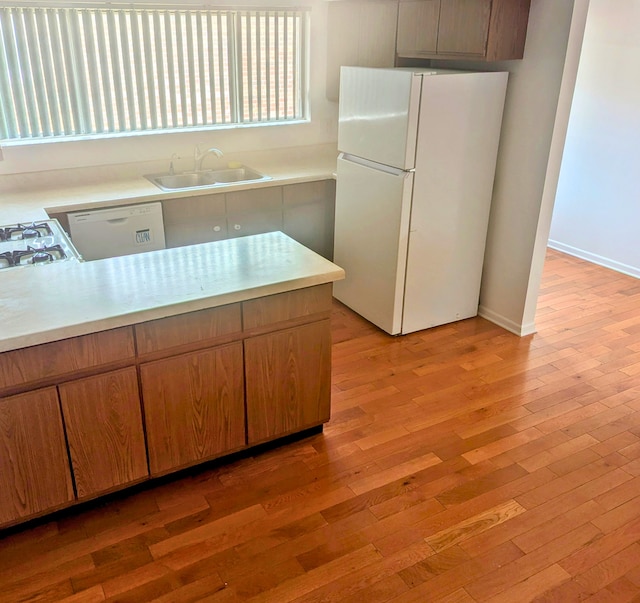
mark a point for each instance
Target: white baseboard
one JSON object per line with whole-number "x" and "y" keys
{"x": 506, "y": 323}
{"x": 594, "y": 258}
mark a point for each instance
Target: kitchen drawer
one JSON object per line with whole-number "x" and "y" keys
{"x": 184, "y": 329}
{"x": 43, "y": 363}
{"x": 282, "y": 307}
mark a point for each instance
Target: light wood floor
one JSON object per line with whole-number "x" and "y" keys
{"x": 461, "y": 464}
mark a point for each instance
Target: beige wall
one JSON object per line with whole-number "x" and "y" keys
{"x": 321, "y": 129}
{"x": 526, "y": 174}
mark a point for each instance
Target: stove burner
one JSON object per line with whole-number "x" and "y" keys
{"x": 39, "y": 255}
{"x": 6, "y": 259}
{"x": 28, "y": 231}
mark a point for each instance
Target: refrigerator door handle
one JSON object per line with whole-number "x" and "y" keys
{"x": 380, "y": 167}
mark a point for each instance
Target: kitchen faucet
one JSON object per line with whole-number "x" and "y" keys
{"x": 172, "y": 170}
{"x": 198, "y": 156}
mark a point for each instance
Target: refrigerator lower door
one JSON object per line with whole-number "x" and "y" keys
{"x": 373, "y": 206}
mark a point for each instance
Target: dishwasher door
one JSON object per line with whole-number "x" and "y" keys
{"x": 115, "y": 231}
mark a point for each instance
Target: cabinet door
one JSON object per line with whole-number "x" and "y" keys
{"x": 464, "y": 26}
{"x": 309, "y": 213}
{"x": 192, "y": 220}
{"x": 242, "y": 225}
{"x": 288, "y": 381}
{"x": 254, "y": 211}
{"x": 417, "y": 26}
{"x": 194, "y": 407}
{"x": 34, "y": 465}
{"x": 104, "y": 429}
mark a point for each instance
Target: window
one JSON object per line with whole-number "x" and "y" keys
{"x": 86, "y": 72}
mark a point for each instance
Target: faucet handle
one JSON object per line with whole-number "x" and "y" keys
{"x": 171, "y": 168}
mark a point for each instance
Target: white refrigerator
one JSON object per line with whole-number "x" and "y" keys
{"x": 414, "y": 184}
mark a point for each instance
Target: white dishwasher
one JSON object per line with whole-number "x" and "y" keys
{"x": 107, "y": 233}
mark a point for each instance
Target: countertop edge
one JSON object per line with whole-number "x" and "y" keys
{"x": 126, "y": 320}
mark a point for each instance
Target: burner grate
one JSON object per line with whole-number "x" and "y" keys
{"x": 21, "y": 232}
{"x": 6, "y": 259}
{"x": 38, "y": 255}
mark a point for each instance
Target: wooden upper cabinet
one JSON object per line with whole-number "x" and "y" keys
{"x": 418, "y": 26}
{"x": 34, "y": 465}
{"x": 488, "y": 30}
{"x": 194, "y": 407}
{"x": 464, "y": 26}
{"x": 103, "y": 421}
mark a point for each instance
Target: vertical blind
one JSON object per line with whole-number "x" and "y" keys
{"x": 69, "y": 72}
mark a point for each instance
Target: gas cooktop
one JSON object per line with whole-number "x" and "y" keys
{"x": 33, "y": 244}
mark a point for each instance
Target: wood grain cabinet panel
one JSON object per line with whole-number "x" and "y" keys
{"x": 487, "y": 30}
{"x": 194, "y": 407}
{"x": 192, "y": 220}
{"x": 103, "y": 421}
{"x": 287, "y": 381}
{"x": 281, "y": 307}
{"x": 34, "y": 465}
{"x": 53, "y": 360}
{"x": 190, "y": 328}
{"x": 417, "y": 26}
{"x": 308, "y": 215}
{"x": 464, "y": 26}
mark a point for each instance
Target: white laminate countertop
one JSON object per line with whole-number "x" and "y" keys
{"x": 39, "y": 304}
{"x": 32, "y": 196}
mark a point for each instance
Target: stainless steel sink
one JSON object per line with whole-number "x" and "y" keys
{"x": 205, "y": 178}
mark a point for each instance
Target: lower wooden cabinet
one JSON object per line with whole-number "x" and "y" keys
{"x": 194, "y": 407}
{"x": 195, "y": 387}
{"x": 287, "y": 380}
{"x": 104, "y": 429}
{"x": 34, "y": 465}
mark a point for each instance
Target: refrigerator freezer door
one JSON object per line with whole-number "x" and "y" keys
{"x": 373, "y": 205}
{"x": 379, "y": 115}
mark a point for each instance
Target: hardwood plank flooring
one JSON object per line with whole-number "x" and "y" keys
{"x": 462, "y": 464}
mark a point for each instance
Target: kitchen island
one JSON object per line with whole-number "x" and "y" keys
{"x": 141, "y": 365}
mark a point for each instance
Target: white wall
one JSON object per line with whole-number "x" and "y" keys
{"x": 597, "y": 210}
{"x": 321, "y": 129}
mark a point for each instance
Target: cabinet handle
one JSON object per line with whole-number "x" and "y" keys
{"x": 216, "y": 229}
{"x": 237, "y": 227}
